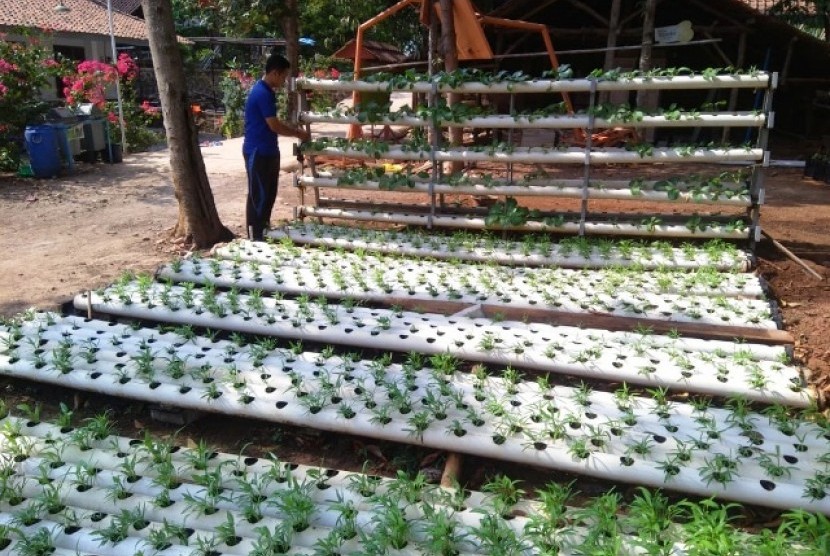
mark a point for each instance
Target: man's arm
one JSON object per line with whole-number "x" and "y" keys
{"x": 280, "y": 128}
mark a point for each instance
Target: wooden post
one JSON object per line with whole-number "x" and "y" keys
{"x": 649, "y": 8}
{"x": 613, "y": 31}
{"x": 452, "y": 470}
{"x": 793, "y": 257}
{"x": 448, "y": 41}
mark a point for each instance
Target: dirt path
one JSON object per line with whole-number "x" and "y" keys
{"x": 81, "y": 231}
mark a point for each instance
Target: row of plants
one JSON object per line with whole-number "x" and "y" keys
{"x": 723, "y": 188}
{"x": 558, "y": 79}
{"x": 430, "y": 401}
{"x": 419, "y": 149}
{"x": 264, "y": 506}
{"x": 531, "y": 249}
{"x": 551, "y": 116}
{"x": 704, "y": 280}
{"x": 508, "y": 215}
{"x": 643, "y": 358}
{"x": 374, "y": 278}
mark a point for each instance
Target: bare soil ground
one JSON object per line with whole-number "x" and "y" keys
{"x": 81, "y": 231}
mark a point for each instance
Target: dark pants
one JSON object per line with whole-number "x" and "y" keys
{"x": 263, "y": 178}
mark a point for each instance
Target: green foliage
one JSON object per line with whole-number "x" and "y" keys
{"x": 508, "y": 214}
{"x": 334, "y": 22}
{"x": 235, "y": 84}
{"x": 25, "y": 68}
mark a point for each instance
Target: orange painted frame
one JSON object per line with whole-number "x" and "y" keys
{"x": 468, "y": 42}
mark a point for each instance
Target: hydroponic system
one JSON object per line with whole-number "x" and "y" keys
{"x": 510, "y": 166}
{"x": 654, "y": 364}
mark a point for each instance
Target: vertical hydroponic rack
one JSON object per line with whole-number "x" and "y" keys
{"x": 683, "y": 189}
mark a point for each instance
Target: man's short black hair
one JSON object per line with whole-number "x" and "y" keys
{"x": 276, "y": 62}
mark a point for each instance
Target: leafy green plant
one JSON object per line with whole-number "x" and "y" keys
{"x": 508, "y": 214}
{"x": 296, "y": 504}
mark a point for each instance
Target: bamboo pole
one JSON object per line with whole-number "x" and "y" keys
{"x": 792, "y": 256}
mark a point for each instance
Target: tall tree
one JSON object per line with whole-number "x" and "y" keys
{"x": 198, "y": 223}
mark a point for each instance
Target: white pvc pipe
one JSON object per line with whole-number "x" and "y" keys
{"x": 475, "y": 248}
{"x": 515, "y": 293}
{"x": 608, "y": 465}
{"x": 683, "y": 183}
{"x": 740, "y": 81}
{"x": 738, "y": 119}
{"x": 744, "y": 489}
{"x": 538, "y": 155}
{"x": 283, "y": 311}
{"x": 523, "y": 191}
{"x": 246, "y": 257}
{"x": 362, "y": 328}
{"x": 478, "y": 223}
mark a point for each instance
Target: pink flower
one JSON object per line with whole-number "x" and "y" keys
{"x": 149, "y": 109}
{"x": 113, "y": 119}
{"x": 3, "y": 90}
{"x": 7, "y": 67}
{"x": 126, "y": 66}
{"x": 335, "y": 74}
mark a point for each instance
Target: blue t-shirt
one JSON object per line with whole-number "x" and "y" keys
{"x": 261, "y": 104}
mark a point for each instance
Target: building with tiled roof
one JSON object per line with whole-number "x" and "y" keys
{"x": 85, "y": 18}
{"x": 129, "y": 7}
{"x": 79, "y": 32}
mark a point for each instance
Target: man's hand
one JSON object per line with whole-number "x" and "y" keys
{"x": 303, "y": 135}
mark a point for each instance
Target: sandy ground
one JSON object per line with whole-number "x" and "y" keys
{"x": 81, "y": 231}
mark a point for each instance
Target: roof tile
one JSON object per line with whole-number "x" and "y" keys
{"x": 84, "y": 16}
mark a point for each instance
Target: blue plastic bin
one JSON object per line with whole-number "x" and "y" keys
{"x": 44, "y": 152}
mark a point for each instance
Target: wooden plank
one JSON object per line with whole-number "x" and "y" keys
{"x": 616, "y": 323}
{"x": 471, "y": 43}
{"x": 599, "y": 321}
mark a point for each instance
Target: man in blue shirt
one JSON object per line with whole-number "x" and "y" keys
{"x": 260, "y": 147}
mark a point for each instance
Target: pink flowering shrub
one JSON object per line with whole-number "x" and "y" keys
{"x": 26, "y": 67}
{"x": 94, "y": 82}
{"x": 92, "y": 79}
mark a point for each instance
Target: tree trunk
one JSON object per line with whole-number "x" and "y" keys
{"x": 450, "y": 64}
{"x": 649, "y": 8}
{"x": 198, "y": 221}
{"x": 611, "y": 44}
{"x": 291, "y": 29}
{"x": 644, "y": 98}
